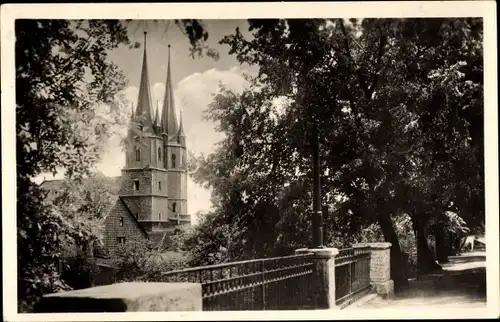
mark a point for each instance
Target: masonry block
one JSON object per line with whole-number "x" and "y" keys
{"x": 380, "y": 268}
{"x": 324, "y": 270}
{"x": 125, "y": 297}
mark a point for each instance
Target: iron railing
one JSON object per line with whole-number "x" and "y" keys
{"x": 280, "y": 283}
{"x": 352, "y": 275}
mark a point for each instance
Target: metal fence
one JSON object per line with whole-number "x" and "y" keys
{"x": 280, "y": 283}
{"x": 352, "y": 275}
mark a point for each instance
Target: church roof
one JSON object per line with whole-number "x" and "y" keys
{"x": 181, "y": 136}
{"x": 144, "y": 106}
{"x": 168, "y": 117}
{"x": 133, "y": 217}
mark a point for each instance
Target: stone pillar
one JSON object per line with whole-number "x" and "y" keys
{"x": 324, "y": 278}
{"x": 380, "y": 268}
{"x": 125, "y": 297}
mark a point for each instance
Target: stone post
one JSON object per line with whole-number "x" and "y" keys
{"x": 380, "y": 268}
{"x": 324, "y": 278}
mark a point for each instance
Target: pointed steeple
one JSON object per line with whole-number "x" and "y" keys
{"x": 156, "y": 121}
{"x": 143, "y": 112}
{"x": 168, "y": 118}
{"x": 181, "y": 136}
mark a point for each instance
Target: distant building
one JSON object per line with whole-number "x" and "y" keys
{"x": 152, "y": 198}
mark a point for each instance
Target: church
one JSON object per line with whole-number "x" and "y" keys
{"x": 152, "y": 199}
{"x": 151, "y": 192}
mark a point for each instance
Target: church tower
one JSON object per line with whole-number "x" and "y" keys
{"x": 175, "y": 161}
{"x": 154, "y": 184}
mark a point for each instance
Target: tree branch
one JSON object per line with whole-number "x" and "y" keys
{"x": 361, "y": 78}
{"x": 382, "y": 43}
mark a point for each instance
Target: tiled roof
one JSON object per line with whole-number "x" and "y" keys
{"x": 133, "y": 217}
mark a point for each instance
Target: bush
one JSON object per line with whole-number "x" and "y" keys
{"x": 79, "y": 271}
{"x": 137, "y": 261}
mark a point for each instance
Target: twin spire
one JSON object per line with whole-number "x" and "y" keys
{"x": 167, "y": 124}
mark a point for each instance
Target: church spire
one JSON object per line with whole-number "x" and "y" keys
{"x": 181, "y": 136}
{"x": 156, "y": 121}
{"x": 168, "y": 118}
{"x": 143, "y": 112}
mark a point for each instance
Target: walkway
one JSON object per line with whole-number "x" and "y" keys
{"x": 462, "y": 282}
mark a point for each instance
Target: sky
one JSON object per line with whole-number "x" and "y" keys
{"x": 195, "y": 81}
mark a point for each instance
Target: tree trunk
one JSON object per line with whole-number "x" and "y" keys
{"x": 398, "y": 266}
{"x": 451, "y": 239}
{"x": 425, "y": 261}
{"x": 441, "y": 245}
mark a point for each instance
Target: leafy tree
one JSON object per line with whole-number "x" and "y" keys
{"x": 380, "y": 92}
{"x": 65, "y": 90}
{"x": 68, "y": 103}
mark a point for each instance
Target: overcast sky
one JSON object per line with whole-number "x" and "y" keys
{"x": 195, "y": 81}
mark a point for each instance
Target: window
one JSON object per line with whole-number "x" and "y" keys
{"x": 121, "y": 240}
{"x": 159, "y": 185}
{"x": 159, "y": 154}
{"x": 137, "y": 154}
{"x": 121, "y": 221}
{"x": 136, "y": 215}
{"x": 174, "y": 206}
{"x": 173, "y": 160}
{"x": 136, "y": 185}
{"x": 159, "y": 216}
{"x": 141, "y": 127}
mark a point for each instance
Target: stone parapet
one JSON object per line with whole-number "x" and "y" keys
{"x": 125, "y": 297}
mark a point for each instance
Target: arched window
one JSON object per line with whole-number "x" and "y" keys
{"x": 159, "y": 154}
{"x": 174, "y": 206}
{"x": 159, "y": 216}
{"x": 137, "y": 154}
{"x": 173, "y": 160}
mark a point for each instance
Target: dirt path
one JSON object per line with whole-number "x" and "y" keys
{"x": 462, "y": 283}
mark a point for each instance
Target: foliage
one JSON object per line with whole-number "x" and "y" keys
{"x": 138, "y": 261}
{"x": 382, "y": 93}
{"x": 79, "y": 271}
{"x": 87, "y": 202}
{"x": 193, "y": 29}
{"x": 66, "y": 99}
{"x": 69, "y": 101}
{"x": 177, "y": 240}
{"x": 208, "y": 243}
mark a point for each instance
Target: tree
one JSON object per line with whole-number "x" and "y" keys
{"x": 379, "y": 131}
{"x": 194, "y": 30}
{"x": 68, "y": 103}
{"x": 65, "y": 99}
